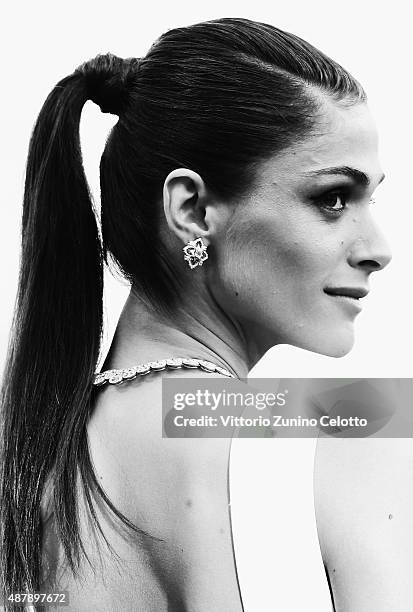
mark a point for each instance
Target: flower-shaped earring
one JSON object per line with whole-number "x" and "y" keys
{"x": 195, "y": 252}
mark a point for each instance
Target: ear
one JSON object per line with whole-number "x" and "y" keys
{"x": 187, "y": 206}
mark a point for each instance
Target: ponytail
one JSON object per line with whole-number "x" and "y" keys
{"x": 55, "y": 337}
{"x": 54, "y": 343}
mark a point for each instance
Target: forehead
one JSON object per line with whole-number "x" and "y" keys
{"x": 342, "y": 136}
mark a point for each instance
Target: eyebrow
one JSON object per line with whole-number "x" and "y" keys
{"x": 359, "y": 177}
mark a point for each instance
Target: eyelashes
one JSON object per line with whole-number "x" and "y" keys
{"x": 334, "y": 203}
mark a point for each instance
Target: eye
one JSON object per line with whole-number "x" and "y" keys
{"x": 334, "y": 202}
{"x": 337, "y": 202}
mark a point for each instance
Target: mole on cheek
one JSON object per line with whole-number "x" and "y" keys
{"x": 236, "y": 293}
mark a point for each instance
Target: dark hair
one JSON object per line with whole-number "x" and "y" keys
{"x": 217, "y": 97}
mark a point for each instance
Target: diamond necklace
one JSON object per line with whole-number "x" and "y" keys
{"x": 115, "y": 377}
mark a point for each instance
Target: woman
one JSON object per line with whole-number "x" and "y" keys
{"x": 236, "y": 191}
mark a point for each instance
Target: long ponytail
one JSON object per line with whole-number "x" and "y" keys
{"x": 47, "y": 394}
{"x": 54, "y": 343}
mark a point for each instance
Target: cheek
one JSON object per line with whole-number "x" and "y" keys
{"x": 270, "y": 275}
{"x": 263, "y": 259}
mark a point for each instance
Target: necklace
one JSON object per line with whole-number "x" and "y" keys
{"x": 115, "y": 377}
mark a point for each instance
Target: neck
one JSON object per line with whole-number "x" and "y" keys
{"x": 143, "y": 335}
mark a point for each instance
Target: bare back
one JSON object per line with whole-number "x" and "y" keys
{"x": 175, "y": 491}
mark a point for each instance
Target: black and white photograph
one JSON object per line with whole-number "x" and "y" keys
{"x": 205, "y": 323}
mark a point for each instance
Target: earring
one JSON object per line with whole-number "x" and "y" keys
{"x": 195, "y": 252}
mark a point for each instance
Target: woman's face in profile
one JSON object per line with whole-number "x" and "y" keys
{"x": 297, "y": 253}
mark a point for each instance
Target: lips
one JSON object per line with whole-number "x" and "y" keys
{"x": 351, "y": 292}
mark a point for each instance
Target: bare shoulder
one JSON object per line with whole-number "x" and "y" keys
{"x": 364, "y": 505}
{"x": 363, "y": 473}
{"x": 131, "y": 455}
{"x": 135, "y": 407}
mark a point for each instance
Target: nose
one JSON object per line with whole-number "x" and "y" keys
{"x": 370, "y": 251}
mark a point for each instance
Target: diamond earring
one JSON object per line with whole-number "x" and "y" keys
{"x": 195, "y": 252}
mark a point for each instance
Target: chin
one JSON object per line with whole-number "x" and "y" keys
{"x": 331, "y": 344}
